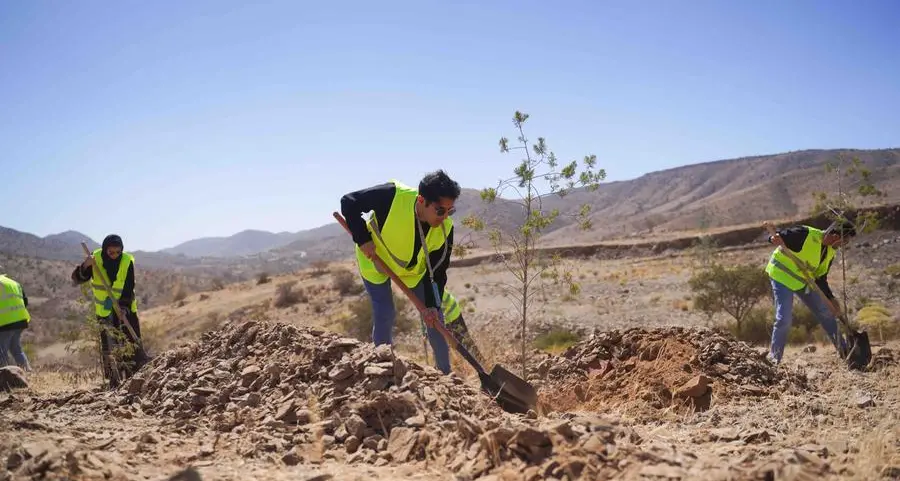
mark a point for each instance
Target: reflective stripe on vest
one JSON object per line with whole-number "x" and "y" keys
{"x": 100, "y": 295}
{"x": 450, "y": 307}
{"x": 783, "y": 270}
{"x": 12, "y": 302}
{"x": 395, "y": 238}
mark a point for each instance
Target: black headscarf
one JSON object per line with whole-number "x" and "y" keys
{"x": 109, "y": 265}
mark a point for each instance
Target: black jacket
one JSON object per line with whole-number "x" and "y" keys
{"x": 793, "y": 238}
{"x": 379, "y": 198}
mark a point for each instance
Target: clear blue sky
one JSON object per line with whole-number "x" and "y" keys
{"x": 170, "y": 120}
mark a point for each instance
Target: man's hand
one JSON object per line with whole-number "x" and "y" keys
{"x": 777, "y": 240}
{"x": 431, "y": 317}
{"x": 368, "y": 249}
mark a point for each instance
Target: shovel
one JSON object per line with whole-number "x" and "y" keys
{"x": 860, "y": 350}
{"x": 511, "y": 392}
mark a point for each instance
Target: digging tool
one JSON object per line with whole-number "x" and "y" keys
{"x": 860, "y": 352}
{"x": 511, "y": 392}
{"x": 118, "y": 311}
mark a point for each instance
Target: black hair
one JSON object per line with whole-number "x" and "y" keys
{"x": 112, "y": 240}
{"x": 437, "y": 185}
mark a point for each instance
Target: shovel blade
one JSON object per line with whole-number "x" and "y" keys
{"x": 860, "y": 350}
{"x": 511, "y": 392}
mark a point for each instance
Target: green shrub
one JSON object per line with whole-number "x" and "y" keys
{"x": 734, "y": 290}
{"x": 877, "y": 319}
{"x": 556, "y": 340}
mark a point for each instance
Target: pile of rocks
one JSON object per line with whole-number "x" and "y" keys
{"x": 296, "y": 395}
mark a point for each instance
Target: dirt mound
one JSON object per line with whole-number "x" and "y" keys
{"x": 287, "y": 395}
{"x": 305, "y": 396}
{"x": 659, "y": 368}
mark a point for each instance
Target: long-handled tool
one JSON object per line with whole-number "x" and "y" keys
{"x": 511, "y": 392}
{"x": 860, "y": 351}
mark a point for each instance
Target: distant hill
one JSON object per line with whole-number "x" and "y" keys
{"x": 718, "y": 194}
{"x": 243, "y": 243}
{"x": 711, "y": 194}
{"x": 63, "y": 246}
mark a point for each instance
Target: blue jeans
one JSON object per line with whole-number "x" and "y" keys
{"x": 384, "y": 313}
{"x": 11, "y": 343}
{"x": 784, "y": 304}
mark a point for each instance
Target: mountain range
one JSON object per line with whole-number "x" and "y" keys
{"x": 709, "y": 194}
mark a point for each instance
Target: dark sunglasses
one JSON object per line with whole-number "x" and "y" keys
{"x": 441, "y": 210}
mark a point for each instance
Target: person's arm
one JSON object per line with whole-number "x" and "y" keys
{"x": 24, "y": 297}
{"x": 440, "y": 270}
{"x": 822, "y": 282}
{"x": 793, "y": 237}
{"x": 82, "y": 274}
{"x": 354, "y": 204}
{"x": 128, "y": 289}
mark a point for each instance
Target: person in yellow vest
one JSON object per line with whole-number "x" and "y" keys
{"x": 453, "y": 318}
{"x": 14, "y": 319}
{"x": 400, "y": 219}
{"x": 816, "y": 248}
{"x": 117, "y": 266}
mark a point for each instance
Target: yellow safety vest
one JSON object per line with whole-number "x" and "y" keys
{"x": 394, "y": 240}
{"x": 12, "y": 302}
{"x": 100, "y": 294}
{"x": 450, "y": 307}
{"x": 783, "y": 270}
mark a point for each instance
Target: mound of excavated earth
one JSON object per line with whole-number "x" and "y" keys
{"x": 295, "y": 395}
{"x": 652, "y": 369}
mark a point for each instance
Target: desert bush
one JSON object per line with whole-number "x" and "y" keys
{"x": 758, "y": 322}
{"x": 877, "y": 319}
{"x": 346, "y": 283}
{"x": 358, "y": 324}
{"x": 262, "y": 278}
{"x": 285, "y": 295}
{"x": 319, "y": 268}
{"x": 218, "y": 284}
{"x": 557, "y": 339}
{"x": 734, "y": 290}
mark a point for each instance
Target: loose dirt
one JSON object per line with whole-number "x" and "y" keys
{"x": 647, "y": 370}
{"x": 274, "y": 401}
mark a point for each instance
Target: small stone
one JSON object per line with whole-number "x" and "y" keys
{"x": 351, "y": 444}
{"x": 286, "y": 412}
{"x": 401, "y": 443}
{"x": 416, "y": 421}
{"x": 355, "y": 426}
{"x": 864, "y": 401}
{"x": 291, "y": 458}
{"x": 810, "y": 348}
{"x": 374, "y": 370}
{"x": 694, "y": 388}
{"x": 249, "y": 374}
{"x": 302, "y": 416}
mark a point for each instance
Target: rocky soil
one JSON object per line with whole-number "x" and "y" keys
{"x": 653, "y": 369}
{"x": 274, "y": 401}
